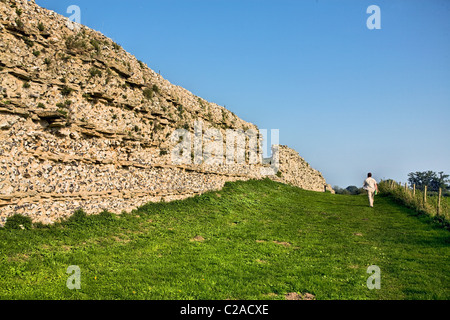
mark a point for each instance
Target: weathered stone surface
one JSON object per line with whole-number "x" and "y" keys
{"x": 88, "y": 126}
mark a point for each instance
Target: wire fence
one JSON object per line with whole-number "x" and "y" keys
{"x": 430, "y": 202}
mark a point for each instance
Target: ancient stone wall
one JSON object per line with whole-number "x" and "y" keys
{"x": 84, "y": 124}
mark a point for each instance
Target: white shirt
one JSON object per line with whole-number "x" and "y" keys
{"x": 369, "y": 184}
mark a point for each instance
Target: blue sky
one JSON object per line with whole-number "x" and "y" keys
{"x": 350, "y": 100}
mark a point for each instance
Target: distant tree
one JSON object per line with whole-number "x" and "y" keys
{"x": 352, "y": 189}
{"x": 339, "y": 190}
{"x": 431, "y": 179}
{"x": 442, "y": 181}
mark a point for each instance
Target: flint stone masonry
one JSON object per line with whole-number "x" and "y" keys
{"x": 84, "y": 124}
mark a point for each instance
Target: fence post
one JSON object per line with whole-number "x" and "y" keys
{"x": 425, "y": 196}
{"x": 414, "y": 190}
{"x": 438, "y": 209}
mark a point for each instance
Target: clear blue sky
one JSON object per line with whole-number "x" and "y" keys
{"x": 350, "y": 100}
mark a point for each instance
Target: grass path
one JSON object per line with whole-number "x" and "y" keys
{"x": 252, "y": 240}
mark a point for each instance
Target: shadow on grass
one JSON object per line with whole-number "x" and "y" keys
{"x": 434, "y": 222}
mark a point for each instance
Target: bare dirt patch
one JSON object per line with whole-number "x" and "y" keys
{"x": 21, "y": 257}
{"x": 198, "y": 239}
{"x": 286, "y": 244}
{"x": 301, "y": 296}
{"x": 122, "y": 240}
{"x": 261, "y": 261}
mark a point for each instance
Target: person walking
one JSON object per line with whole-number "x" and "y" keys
{"x": 370, "y": 184}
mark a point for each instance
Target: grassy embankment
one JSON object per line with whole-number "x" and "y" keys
{"x": 252, "y": 240}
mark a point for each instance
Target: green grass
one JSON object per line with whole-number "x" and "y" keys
{"x": 261, "y": 240}
{"x": 416, "y": 201}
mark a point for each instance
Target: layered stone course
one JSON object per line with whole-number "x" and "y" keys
{"x": 84, "y": 124}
